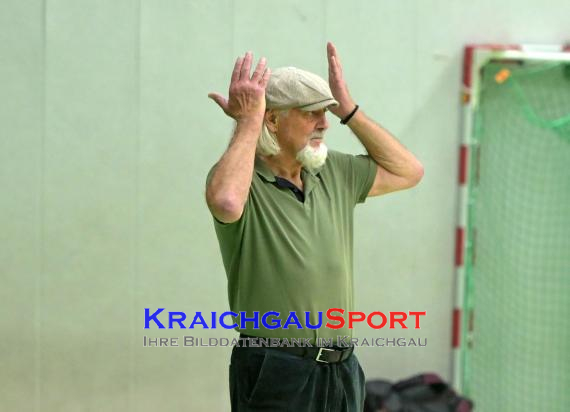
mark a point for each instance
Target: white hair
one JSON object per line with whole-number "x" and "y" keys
{"x": 267, "y": 143}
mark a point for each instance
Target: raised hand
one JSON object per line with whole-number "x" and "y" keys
{"x": 247, "y": 94}
{"x": 338, "y": 85}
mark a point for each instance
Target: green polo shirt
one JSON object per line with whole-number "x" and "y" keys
{"x": 284, "y": 255}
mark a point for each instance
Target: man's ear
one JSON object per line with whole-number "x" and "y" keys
{"x": 272, "y": 120}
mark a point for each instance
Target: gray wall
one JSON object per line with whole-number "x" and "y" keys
{"x": 106, "y": 135}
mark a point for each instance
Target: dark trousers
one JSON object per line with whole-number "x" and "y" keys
{"x": 267, "y": 379}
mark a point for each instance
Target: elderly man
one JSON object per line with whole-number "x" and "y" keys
{"x": 283, "y": 214}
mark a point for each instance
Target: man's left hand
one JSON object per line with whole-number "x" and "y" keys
{"x": 338, "y": 85}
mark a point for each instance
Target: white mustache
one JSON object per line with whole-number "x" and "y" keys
{"x": 317, "y": 136}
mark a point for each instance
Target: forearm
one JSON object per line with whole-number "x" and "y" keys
{"x": 228, "y": 187}
{"x": 384, "y": 149}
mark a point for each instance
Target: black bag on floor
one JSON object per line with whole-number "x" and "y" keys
{"x": 421, "y": 393}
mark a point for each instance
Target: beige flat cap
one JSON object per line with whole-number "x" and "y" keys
{"x": 290, "y": 87}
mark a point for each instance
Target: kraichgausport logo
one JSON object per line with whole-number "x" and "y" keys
{"x": 336, "y": 319}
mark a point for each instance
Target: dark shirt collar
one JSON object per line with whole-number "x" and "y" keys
{"x": 310, "y": 178}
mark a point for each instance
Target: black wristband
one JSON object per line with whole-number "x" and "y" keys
{"x": 347, "y": 118}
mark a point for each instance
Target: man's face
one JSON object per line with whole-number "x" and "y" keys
{"x": 301, "y": 128}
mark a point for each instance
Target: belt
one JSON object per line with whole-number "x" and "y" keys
{"x": 319, "y": 354}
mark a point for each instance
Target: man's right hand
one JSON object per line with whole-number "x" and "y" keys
{"x": 246, "y": 95}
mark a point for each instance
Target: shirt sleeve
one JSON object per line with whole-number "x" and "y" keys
{"x": 354, "y": 174}
{"x": 363, "y": 175}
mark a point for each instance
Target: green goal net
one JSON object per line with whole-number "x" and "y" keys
{"x": 517, "y": 355}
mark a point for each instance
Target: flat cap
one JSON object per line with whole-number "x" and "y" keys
{"x": 290, "y": 87}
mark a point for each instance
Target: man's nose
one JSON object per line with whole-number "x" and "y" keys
{"x": 323, "y": 123}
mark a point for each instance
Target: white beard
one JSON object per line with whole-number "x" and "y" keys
{"x": 312, "y": 158}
